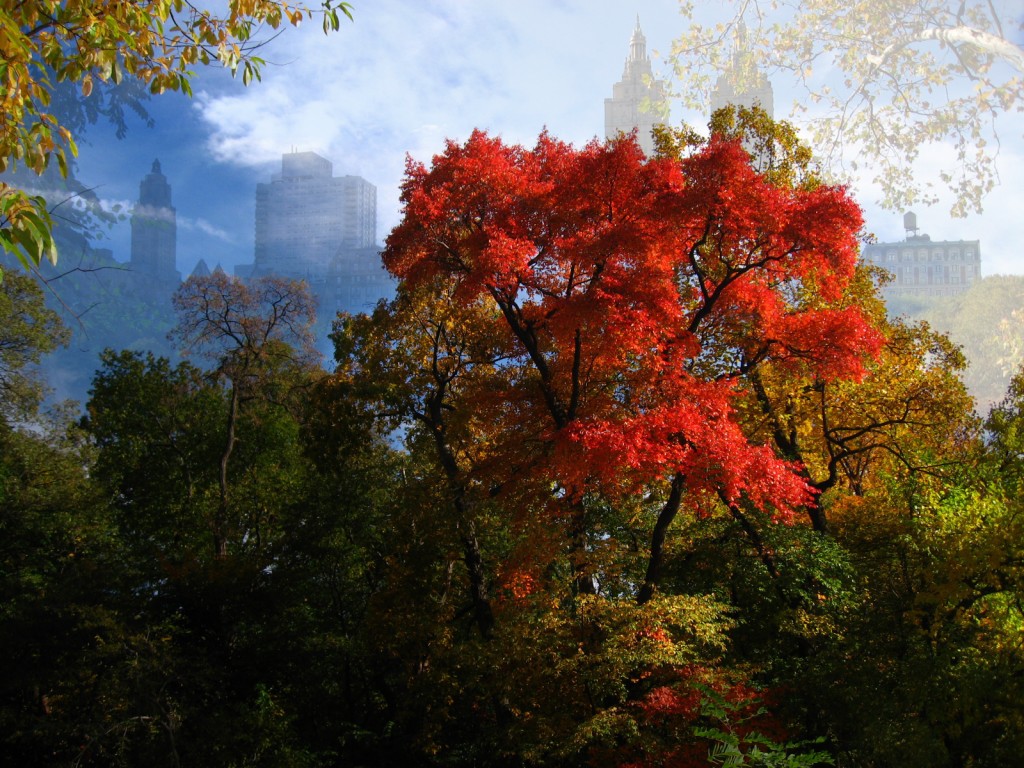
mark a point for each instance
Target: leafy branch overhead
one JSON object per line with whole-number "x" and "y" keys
{"x": 879, "y": 84}
{"x": 90, "y": 42}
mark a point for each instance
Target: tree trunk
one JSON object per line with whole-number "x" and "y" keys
{"x": 220, "y": 524}
{"x": 665, "y": 518}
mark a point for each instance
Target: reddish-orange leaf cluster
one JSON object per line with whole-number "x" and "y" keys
{"x": 635, "y": 296}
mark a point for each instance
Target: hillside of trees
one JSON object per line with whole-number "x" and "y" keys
{"x": 636, "y": 470}
{"x": 987, "y": 322}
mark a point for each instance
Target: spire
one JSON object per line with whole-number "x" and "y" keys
{"x": 154, "y": 190}
{"x": 638, "y": 43}
{"x": 742, "y": 82}
{"x": 741, "y": 35}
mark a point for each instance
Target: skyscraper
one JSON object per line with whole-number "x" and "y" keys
{"x": 743, "y": 84}
{"x": 306, "y": 214}
{"x": 315, "y": 226}
{"x": 154, "y": 230}
{"x": 638, "y": 100}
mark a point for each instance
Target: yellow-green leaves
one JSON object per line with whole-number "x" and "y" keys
{"x": 154, "y": 41}
{"x": 880, "y": 84}
{"x": 25, "y": 227}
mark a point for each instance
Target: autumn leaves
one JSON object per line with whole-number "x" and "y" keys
{"x": 629, "y": 300}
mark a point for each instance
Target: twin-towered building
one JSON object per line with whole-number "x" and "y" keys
{"x": 639, "y": 101}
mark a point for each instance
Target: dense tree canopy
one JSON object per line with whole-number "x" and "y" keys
{"x": 28, "y": 330}
{"x": 633, "y": 471}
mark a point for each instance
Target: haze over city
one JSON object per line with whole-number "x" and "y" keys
{"x": 400, "y": 80}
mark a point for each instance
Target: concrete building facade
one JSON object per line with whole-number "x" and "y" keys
{"x": 315, "y": 226}
{"x": 305, "y": 214}
{"x": 924, "y": 267}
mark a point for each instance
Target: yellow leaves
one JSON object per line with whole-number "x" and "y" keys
{"x": 25, "y": 227}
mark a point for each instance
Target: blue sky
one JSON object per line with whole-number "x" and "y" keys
{"x": 402, "y": 78}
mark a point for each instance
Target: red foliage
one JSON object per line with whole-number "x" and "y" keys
{"x": 634, "y": 297}
{"x": 668, "y": 714}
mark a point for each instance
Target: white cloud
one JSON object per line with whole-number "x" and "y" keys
{"x": 405, "y": 76}
{"x": 202, "y": 225}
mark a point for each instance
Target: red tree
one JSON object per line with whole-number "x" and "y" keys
{"x": 632, "y": 300}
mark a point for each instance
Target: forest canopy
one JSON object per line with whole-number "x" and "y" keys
{"x": 635, "y": 470}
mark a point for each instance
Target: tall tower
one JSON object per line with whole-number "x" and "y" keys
{"x": 743, "y": 84}
{"x": 155, "y": 229}
{"x": 638, "y": 100}
{"x": 306, "y": 214}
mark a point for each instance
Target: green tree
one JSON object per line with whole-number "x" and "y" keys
{"x": 988, "y": 323}
{"x": 261, "y": 638}
{"x": 258, "y": 336}
{"x": 28, "y": 330}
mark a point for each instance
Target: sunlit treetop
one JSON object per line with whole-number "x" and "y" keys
{"x": 91, "y": 42}
{"x": 634, "y": 296}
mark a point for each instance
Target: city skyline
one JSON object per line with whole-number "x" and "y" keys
{"x": 365, "y": 97}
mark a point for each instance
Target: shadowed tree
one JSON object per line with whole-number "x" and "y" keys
{"x": 258, "y": 338}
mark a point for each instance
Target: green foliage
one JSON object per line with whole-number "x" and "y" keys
{"x": 734, "y": 746}
{"x": 28, "y": 330}
{"x": 1005, "y": 426}
{"x": 988, "y": 323}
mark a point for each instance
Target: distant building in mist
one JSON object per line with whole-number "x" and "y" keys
{"x": 742, "y": 83}
{"x": 638, "y": 100}
{"x": 924, "y": 267}
{"x": 313, "y": 225}
{"x": 155, "y": 231}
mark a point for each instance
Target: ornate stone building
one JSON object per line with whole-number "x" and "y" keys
{"x": 638, "y": 100}
{"x": 155, "y": 231}
{"x": 921, "y": 266}
{"x": 742, "y": 83}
